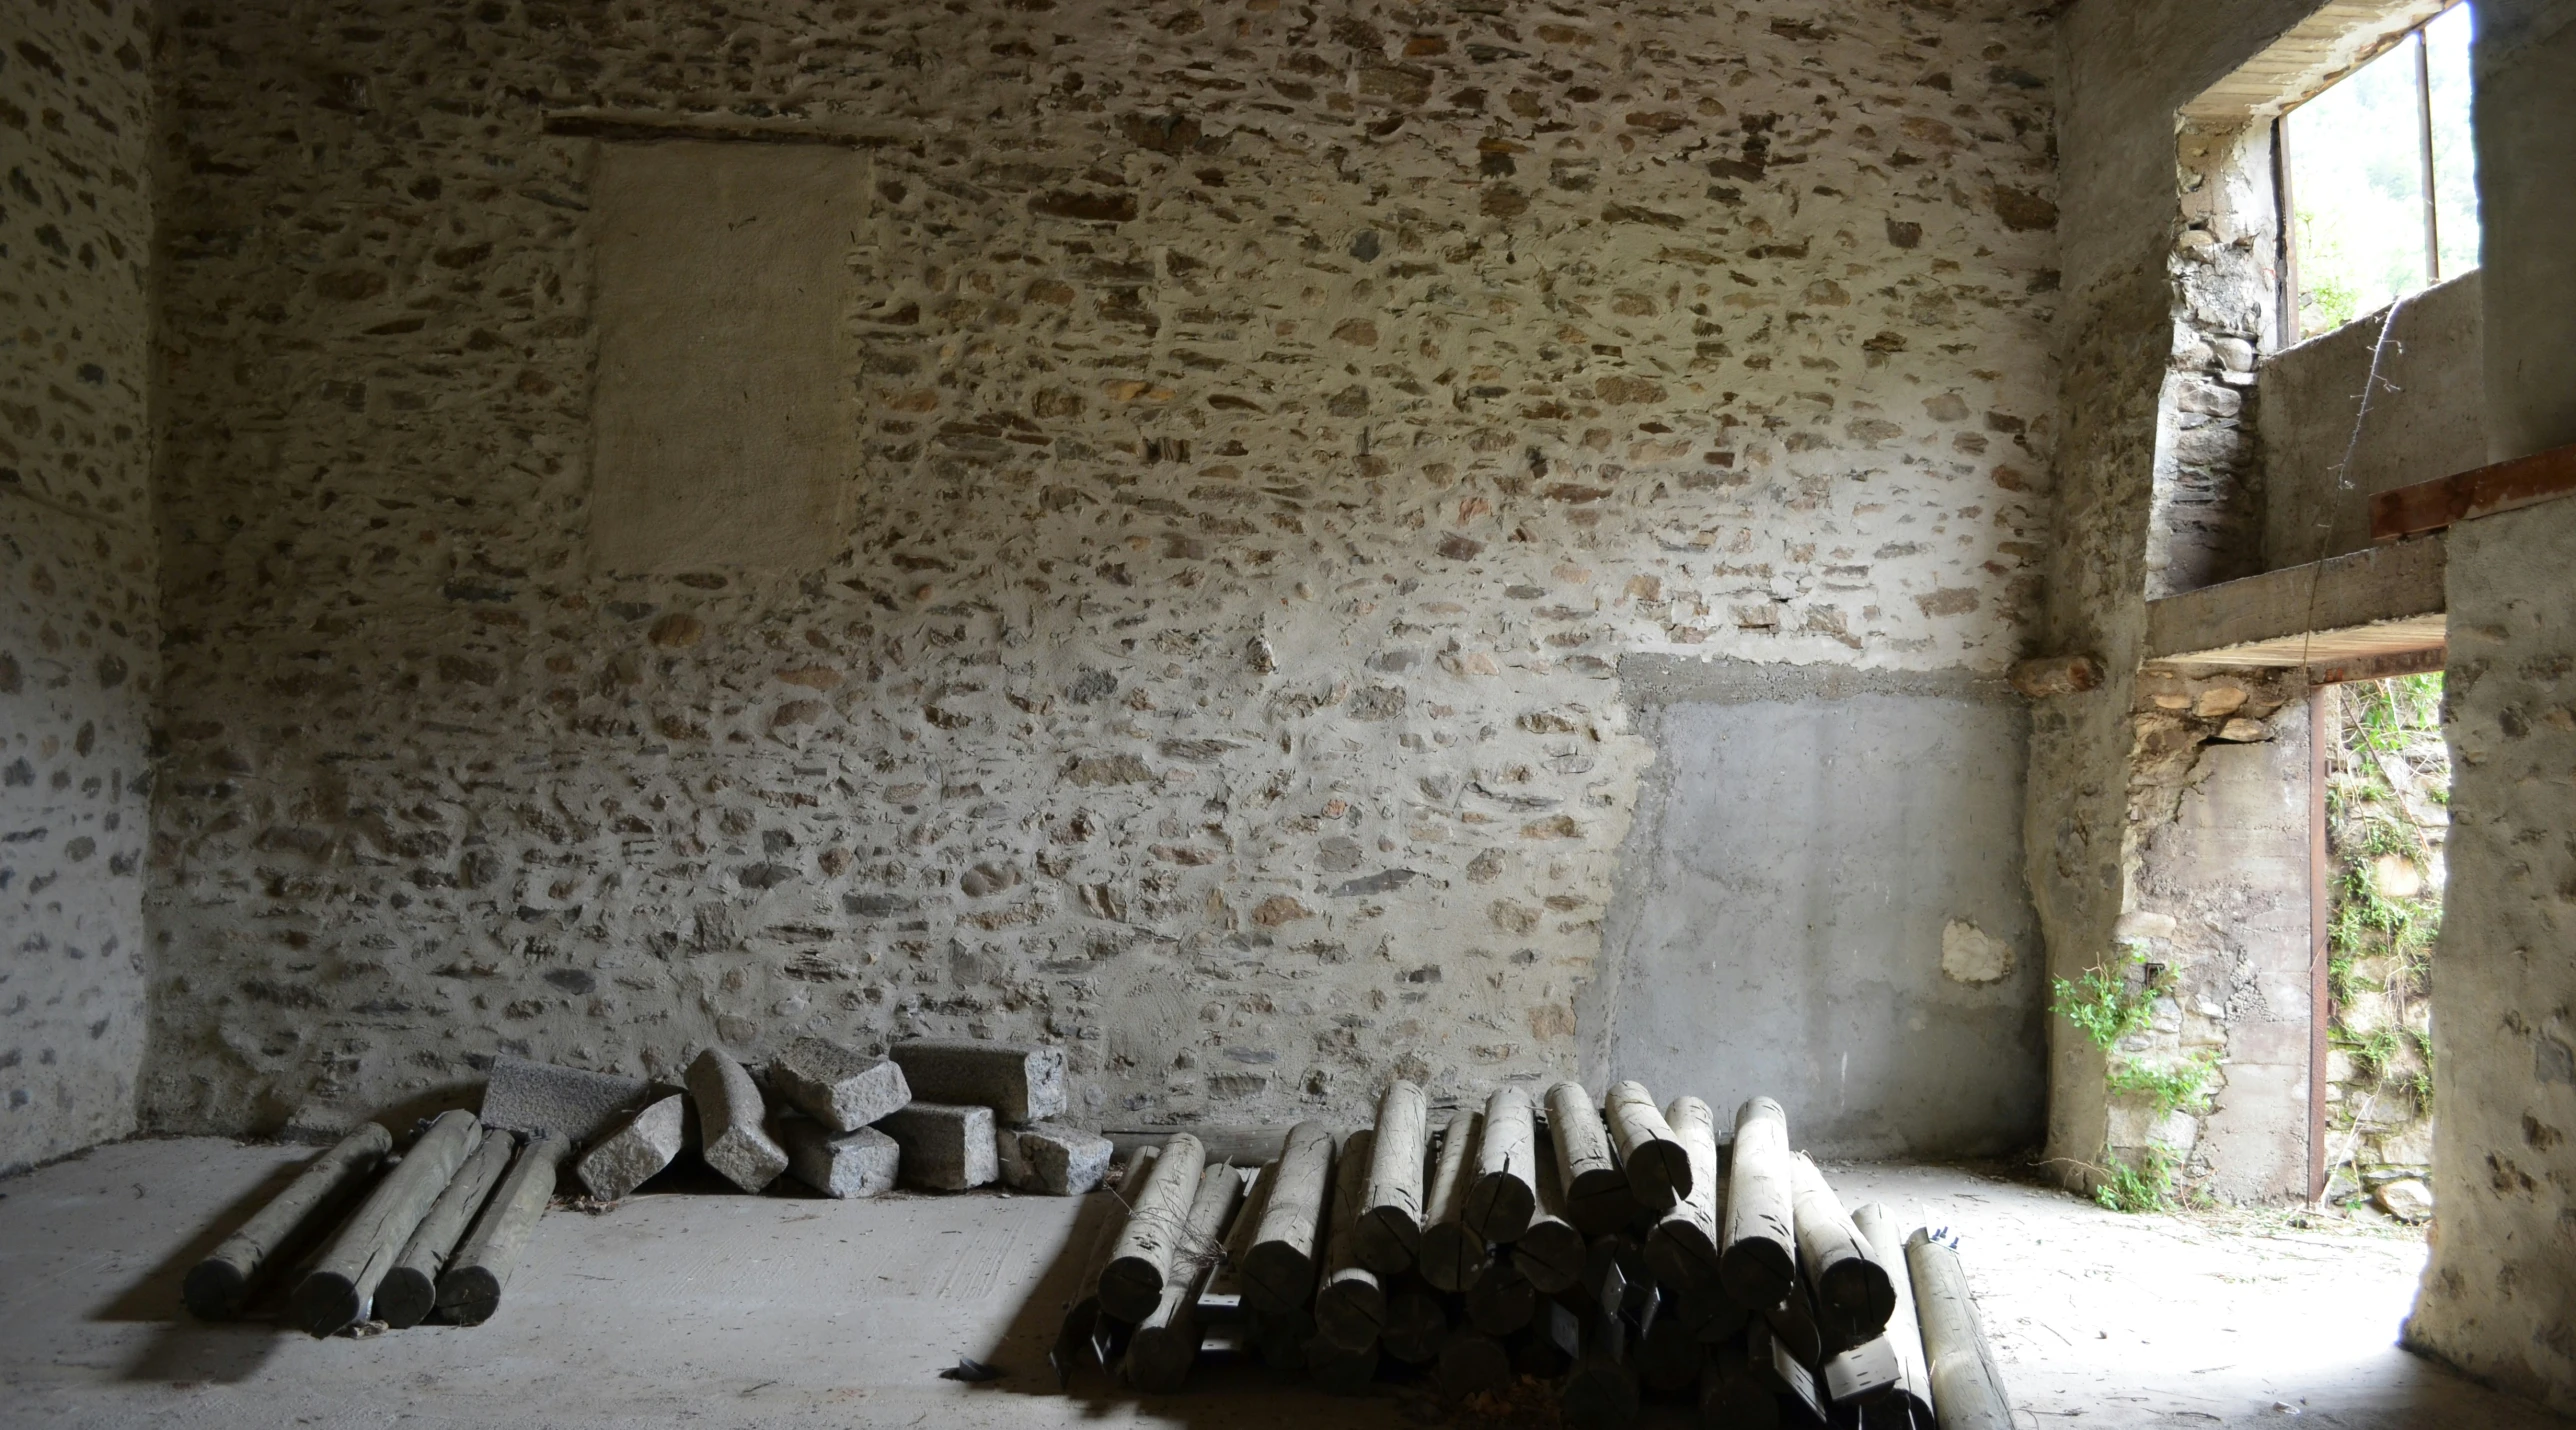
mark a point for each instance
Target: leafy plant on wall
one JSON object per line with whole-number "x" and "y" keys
{"x": 2107, "y": 1004}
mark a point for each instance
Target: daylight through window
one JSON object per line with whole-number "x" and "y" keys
{"x": 2380, "y": 179}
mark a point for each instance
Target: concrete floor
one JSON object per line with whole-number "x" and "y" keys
{"x": 725, "y": 1310}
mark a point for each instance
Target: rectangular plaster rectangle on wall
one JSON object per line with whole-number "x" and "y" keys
{"x": 1825, "y": 906}
{"x": 722, "y": 433}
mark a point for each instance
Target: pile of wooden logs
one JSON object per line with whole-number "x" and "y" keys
{"x": 1611, "y": 1250}
{"x": 437, "y": 1233}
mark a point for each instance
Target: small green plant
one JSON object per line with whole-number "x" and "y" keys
{"x": 2103, "y": 1004}
{"x": 2145, "y": 1185}
{"x": 2183, "y": 1084}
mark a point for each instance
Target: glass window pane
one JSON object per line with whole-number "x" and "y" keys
{"x": 2455, "y": 157}
{"x": 2357, "y": 190}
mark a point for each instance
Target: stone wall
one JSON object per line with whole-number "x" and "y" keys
{"x": 2426, "y": 421}
{"x": 2499, "y": 1295}
{"x": 2127, "y": 69}
{"x": 1279, "y": 422}
{"x": 2214, "y": 1089}
{"x": 78, "y": 621}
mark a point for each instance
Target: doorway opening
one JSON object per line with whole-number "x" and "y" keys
{"x": 2388, "y": 780}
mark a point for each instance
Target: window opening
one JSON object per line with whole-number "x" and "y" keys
{"x": 2379, "y": 176}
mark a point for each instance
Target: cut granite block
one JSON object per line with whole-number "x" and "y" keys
{"x": 1021, "y": 1082}
{"x": 843, "y": 1089}
{"x": 946, "y": 1148}
{"x": 630, "y": 1156}
{"x": 1054, "y": 1160}
{"x": 838, "y": 1164}
{"x": 730, "y": 1119}
{"x": 571, "y": 1103}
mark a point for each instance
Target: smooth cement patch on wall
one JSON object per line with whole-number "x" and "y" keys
{"x": 721, "y": 426}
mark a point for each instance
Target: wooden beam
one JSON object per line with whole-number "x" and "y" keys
{"x": 2378, "y": 602}
{"x": 2484, "y": 491}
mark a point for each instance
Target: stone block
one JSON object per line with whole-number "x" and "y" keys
{"x": 2406, "y": 1199}
{"x": 633, "y": 1154}
{"x": 843, "y": 1089}
{"x": 946, "y": 1147}
{"x": 731, "y": 1119}
{"x": 1051, "y": 1159}
{"x": 860, "y": 1163}
{"x": 1021, "y": 1082}
{"x": 574, "y": 1104}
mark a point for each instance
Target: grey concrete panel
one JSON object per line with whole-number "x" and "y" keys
{"x": 1796, "y": 869}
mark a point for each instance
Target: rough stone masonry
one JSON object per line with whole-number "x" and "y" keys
{"x": 1277, "y": 421}
{"x": 79, "y": 608}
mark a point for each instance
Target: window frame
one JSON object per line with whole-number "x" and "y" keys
{"x": 2284, "y": 174}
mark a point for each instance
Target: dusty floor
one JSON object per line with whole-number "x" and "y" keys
{"x": 723, "y": 1311}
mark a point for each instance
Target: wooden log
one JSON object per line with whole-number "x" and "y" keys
{"x": 1501, "y": 1299}
{"x": 1281, "y": 1338}
{"x": 1904, "y": 1326}
{"x": 1279, "y": 1266}
{"x": 1793, "y": 1323}
{"x": 1656, "y": 1163}
{"x": 1504, "y": 1194}
{"x": 1967, "y": 1390}
{"x": 1854, "y": 1296}
{"x": 1546, "y": 1347}
{"x": 1350, "y": 1305}
{"x": 1731, "y": 1396}
{"x": 1471, "y": 1363}
{"x": 1416, "y": 1324}
{"x": 1158, "y": 1214}
{"x": 1452, "y": 1254}
{"x": 1390, "y": 1225}
{"x": 1759, "y": 1256}
{"x": 341, "y": 1288}
{"x": 1711, "y": 1314}
{"x": 469, "y": 1290}
{"x": 1669, "y": 1353}
{"x": 1683, "y": 1249}
{"x": 1550, "y": 1250}
{"x": 1597, "y": 1199}
{"x": 1600, "y": 1392}
{"x": 1166, "y": 1342}
{"x": 410, "y": 1289}
{"x": 1078, "y": 1336}
{"x": 1339, "y": 1370}
{"x": 216, "y": 1286}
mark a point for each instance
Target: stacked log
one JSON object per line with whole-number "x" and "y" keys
{"x": 1649, "y": 1308}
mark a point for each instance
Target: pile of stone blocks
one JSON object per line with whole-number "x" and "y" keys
{"x": 942, "y": 1115}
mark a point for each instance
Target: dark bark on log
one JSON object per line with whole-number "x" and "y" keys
{"x": 1350, "y": 1306}
{"x": 1657, "y": 1165}
{"x": 1505, "y": 1193}
{"x": 1452, "y": 1255}
{"x": 1967, "y": 1390}
{"x": 1597, "y": 1199}
{"x": 1759, "y": 1258}
{"x": 1390, "y": 1225}
{"x": 341, "y": 1287}
{"x": 1551, "y": 1251}
{"x": 469, "y": 1290}
{"x": 1166, "y": 1343}
{"x": 1131, "y": 1285}
{"x": 410, "y": 1290}
{"x": 1904, "y": 1327}
{"x": 1279, "y": 1267}
{"x": 1683, "y": 1247}
{"x": 1854, "y": 1295}
{"x": 216, "y": 1286}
